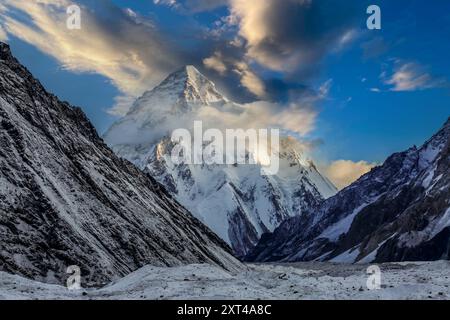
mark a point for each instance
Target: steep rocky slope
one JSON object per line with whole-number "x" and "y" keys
{"x": 399, "y": 211}
{"x": 67, "y": 199}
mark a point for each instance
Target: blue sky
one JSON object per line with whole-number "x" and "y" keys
{"x": 372, "y": 92}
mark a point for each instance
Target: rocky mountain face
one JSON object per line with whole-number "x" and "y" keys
{"x": 235, "y": 201}
{"x": 67, "y": 199}
{"x": 399, "y": 211}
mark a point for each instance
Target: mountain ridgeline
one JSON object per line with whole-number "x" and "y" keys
{"x": 67, "y": 199}
{"x": 400, "y": 211}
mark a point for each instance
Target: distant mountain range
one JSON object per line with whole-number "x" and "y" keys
{"x": 67, "y": 199}
{"x": 235, "y": 201}
{"x": 399, "y": 211}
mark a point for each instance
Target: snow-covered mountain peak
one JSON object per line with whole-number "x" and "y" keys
{"x": 168, "y": 106}
{"x": 185, "y": 86}
{"x": 291, "y": 150}
{"x": 195, "y": 86}
{"x": 235, "y": 201}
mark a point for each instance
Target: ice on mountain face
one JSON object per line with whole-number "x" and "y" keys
{"x": 342, "y": 226}
{"x": 235, "y": 201}
{"x": 397, "y": 212}
{"x": 67, "y": 199}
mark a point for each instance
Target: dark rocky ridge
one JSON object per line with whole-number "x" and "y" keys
{"x": 67, "y": 199}
{"x": 399, "y": 211}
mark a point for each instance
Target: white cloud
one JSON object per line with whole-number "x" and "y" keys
{"x": 256, "y": 115}
{"x": 412, "y": 77}
{"x": 344, "y": 172}
{"x": 131, "y": 53}
{"x": 260, "y": 114}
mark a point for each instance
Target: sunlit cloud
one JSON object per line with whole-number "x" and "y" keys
{"x": 215, "y": 63}
{"x": 344, "y": 172}
{"x": 131, "y": 53}
{"x": 135, "y": 55}
{"x": 250, "y": 80}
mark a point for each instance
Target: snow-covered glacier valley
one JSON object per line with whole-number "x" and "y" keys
{"x": 294, "y": 281}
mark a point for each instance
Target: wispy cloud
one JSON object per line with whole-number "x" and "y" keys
{"x": 192, "y": 6}
{"x": 411, "y": 77}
